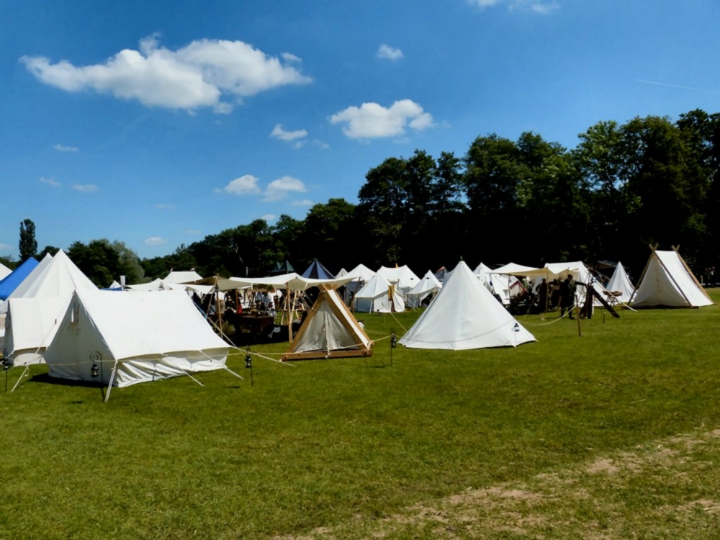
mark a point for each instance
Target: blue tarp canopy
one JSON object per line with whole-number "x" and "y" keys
{"x": 317, "y": 271}
{"x": 11, "y": 282}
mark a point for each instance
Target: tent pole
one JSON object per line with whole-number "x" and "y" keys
{"x": 27, "y": 367}
{"x": 110, "y": 383}
{"x": 290, "y": 308}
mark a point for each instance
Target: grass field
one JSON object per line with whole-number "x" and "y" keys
{"x": 615, "y": 434}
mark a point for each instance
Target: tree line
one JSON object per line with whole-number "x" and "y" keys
{"x": 624, "y": 186}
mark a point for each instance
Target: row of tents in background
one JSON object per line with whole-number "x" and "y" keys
{"x": 56, "y": 315}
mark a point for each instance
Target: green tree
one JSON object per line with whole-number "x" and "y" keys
{"x": 28, "y": 244}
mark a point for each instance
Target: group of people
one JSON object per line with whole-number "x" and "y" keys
{"x": 558, "y": 293}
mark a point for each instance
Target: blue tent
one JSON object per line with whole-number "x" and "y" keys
{"x": 11, "y": 282}
{"x": 317, "y": 271}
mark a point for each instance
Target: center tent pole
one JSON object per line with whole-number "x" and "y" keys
{"x": 290, "y": 310}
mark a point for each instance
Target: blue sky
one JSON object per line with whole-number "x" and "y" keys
{"x": 157, "y": 123}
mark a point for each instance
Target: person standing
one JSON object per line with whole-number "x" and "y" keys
{"x": 567, "y": 296}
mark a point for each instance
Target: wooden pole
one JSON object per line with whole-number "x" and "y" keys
{"x": 290, "y": 308}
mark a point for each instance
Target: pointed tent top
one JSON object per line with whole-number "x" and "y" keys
{"x": 361, "y": 273}
{"x": 282, "y": 268}
{"x": 316, "y": 270}
{"x": 620, "y": 282}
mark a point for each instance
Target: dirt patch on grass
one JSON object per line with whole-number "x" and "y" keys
{"x": 651, "y": 491}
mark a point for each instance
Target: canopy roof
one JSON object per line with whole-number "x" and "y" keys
{"x": 316, "y": 270}
{"x": 464, "y": 315}
{"x": 13, "y": 280}
{"x": 291, "y": 281}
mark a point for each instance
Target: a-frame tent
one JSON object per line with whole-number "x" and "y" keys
{"x": 667, "y": 281}
{"x": 464, "y": 315}
{"x": 329, "y": 331}
{"x": 620, "y": 283}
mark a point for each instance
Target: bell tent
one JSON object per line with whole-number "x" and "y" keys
{"x": 464, "y": 315}
{"x": 125, "y": 339}
{"x": 427, "y": 286}
{"x": 620, "y": 283}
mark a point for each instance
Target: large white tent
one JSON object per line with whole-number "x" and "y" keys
{"x": 428, "y": 285}
{"x": 329, "y": 331}
{"x": 133, "y": 338}
{"x": 667, "y": 281}
{"x": 30, "y": 325}
{"x": 620, "y": 283}
{"x": 360, "y": 273}
{"x": 374, "y": 297}
{"x": 464, "y": 315}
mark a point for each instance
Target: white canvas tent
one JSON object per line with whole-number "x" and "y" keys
{"x": 667, "y": 281}
{"x": 21, "y": 289}
{"x": 329, "y": 331}
{"x": 464, "y": 315}
{"x": 4, "y": 271}
{"x": 620, "y": 283}
{"x": 374, "y": 297}
{"x": 183, "y": 277}
{"x": 428, "y": 285}
{"x": 31, "y": 326}
{"x": 402, "y": 277}
{"x": 504, "y": 285}
{"x": 133, "y": 338}
{"x": 360, "y": 273}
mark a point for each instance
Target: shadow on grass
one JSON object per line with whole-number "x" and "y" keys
{"x": 45, "y": 378}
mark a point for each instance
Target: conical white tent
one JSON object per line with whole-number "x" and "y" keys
{"x": 374, "y": 297}
{"x": 329, "y": 331}
{"x": 667, "y": 281}
{"x": 464, "y": 315}
{"x": 133, "y": 338}
{"x": 31, "y": 324}
{"x": 620, "y": 283}
{"x": 21, "y": 289}
{"x": 428, "y": 285}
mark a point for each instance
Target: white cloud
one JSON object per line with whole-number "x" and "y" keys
{"x": 198, "y": 75}
{"x": 290, "y": 57}
{"x": 538, "y": 6}
{"x": 303, "y": 202}
{"x": 389, "y": 53}
{"x": 155, "y": 241}
{"x": 320, "y": 144}
{"x": 279, "y": 133}
{"x": 62, "y": 148}
{"x": 268, "y": 217}
{"x": 245, "y": 185}
{"x": 86, "y": 188}
{"x": 50, "y": 181}
{"x": 280, "y": 188}
{"x": 370, "y": 120}
{"x": 164, "y": 205}
{"x": 6, "y": 247}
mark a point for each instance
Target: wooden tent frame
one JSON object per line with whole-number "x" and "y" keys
{"x": 344, "y": 315}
